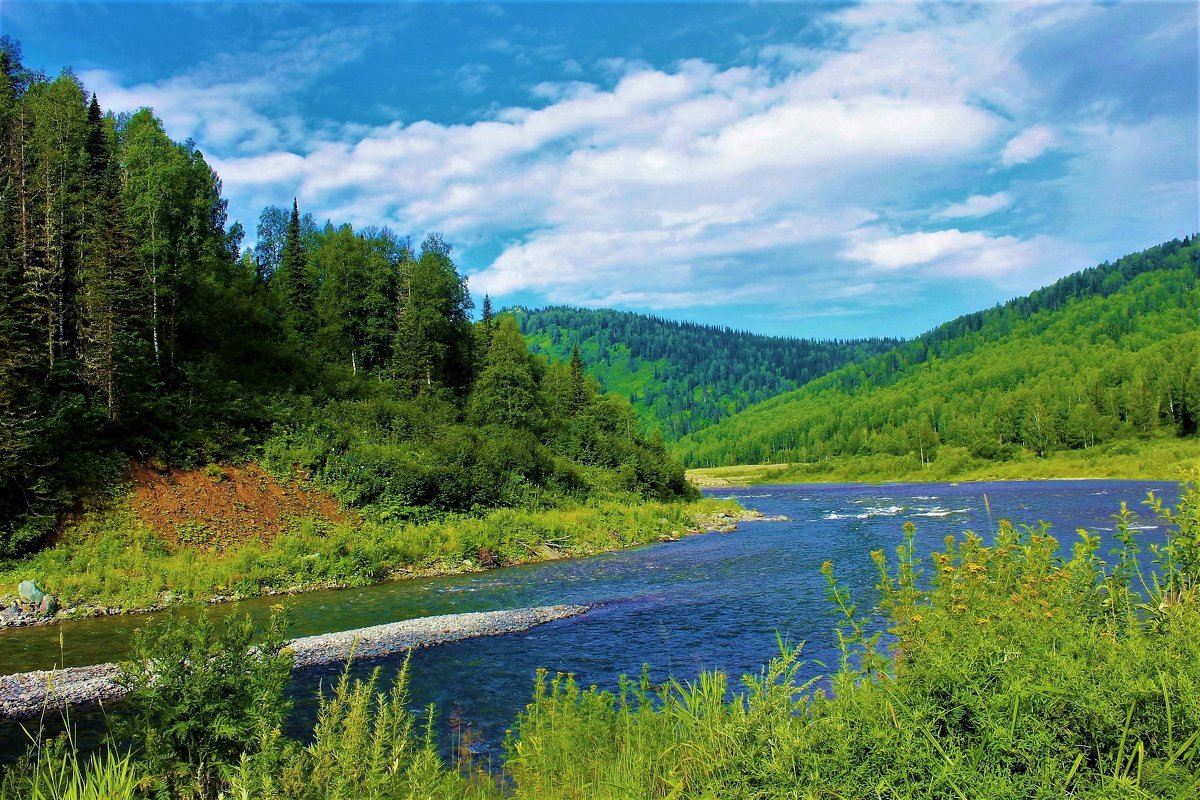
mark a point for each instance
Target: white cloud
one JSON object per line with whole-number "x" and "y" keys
{"x": 693, "y": 184}
{"x": 977, "y": 205}
{"x": 969, "y": 254}
{"x": 472, "y": 78}
{"x": 915, "y": 248}
{"x": 1028, "y": 145}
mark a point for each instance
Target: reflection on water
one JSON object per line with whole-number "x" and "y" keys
{"x": 705, "y": 602}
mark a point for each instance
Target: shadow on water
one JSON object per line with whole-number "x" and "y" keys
{"x": 705, "y": 602}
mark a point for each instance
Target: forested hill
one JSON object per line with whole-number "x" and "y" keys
{"x": 680, "y": 376}
{"x": 133, "y": 326}
{"x": 1109, "y": 353}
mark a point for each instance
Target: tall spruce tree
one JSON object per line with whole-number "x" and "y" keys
{"x": 108, "y": 284}
{"x": 297, "y": 288}
{"x": 579, "y": 386}
{"x": 506, "y": 393}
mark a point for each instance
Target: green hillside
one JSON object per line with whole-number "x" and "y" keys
{"x": 1105, "y": 355}
{"x": 135, "y": 328}
{"x": 682, "y": 377}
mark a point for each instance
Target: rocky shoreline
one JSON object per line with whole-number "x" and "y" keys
{"x": 29, "y": 694}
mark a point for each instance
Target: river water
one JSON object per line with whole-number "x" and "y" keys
{"x": 715, "y": 601}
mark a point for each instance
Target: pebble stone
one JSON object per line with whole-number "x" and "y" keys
{"x": 29, "y": 694}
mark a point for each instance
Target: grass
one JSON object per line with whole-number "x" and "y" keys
{"x": 1012, "y": 674}
{"x": 56, "y": 770}
{"x": 110, "y": 560}
{"x": 1006, "y": 672}
{"x": 1143, "y": 459}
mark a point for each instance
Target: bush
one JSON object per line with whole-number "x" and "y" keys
{"x": 200, "y": 696}
{"x": 366, "y": 745}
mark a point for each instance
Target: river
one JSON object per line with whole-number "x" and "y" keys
{"x": 706, "y": 602}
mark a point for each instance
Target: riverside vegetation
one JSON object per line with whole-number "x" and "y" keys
{"x": 1006, "y": 672}
{"x": 136, "y": 328}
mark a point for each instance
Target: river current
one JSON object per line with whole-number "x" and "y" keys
{"x": 713, "y": 601}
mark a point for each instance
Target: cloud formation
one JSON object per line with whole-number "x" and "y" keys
{"x": 697, "y": 184}
{"x": 977, "y": 205}
{"x": 1027, "y": 145}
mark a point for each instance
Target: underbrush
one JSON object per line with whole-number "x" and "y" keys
{"x": 111, "y": 560}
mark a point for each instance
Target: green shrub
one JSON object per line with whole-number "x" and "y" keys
{"x": 200, "y": 697}
{"x": 366, "y": 745}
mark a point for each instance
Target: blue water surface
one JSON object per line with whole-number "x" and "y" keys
{"x": 715, "y": 601}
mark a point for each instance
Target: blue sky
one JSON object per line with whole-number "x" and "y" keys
{"x": 825, "y": 170}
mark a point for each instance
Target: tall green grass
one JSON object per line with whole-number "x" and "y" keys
{"x": 367, "y": 745}
{"x": 111, "y": 560}
{"x": 1010, "y": 674}
{"x": 55, "y": 770}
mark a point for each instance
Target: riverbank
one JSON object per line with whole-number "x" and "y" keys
{"x": 109, "y": 564}
{"x": 1153, "y": 459}
{"x": 29, "y": 694}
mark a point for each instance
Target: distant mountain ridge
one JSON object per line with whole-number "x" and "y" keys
{"x": 681, "y": 376}
{"x": 1107, "y": 353}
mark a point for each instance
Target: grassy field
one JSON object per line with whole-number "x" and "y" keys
{"x": 1152, "y": 459}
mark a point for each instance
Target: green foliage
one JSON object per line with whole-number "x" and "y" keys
{"x": 1106, "y": 355}
{"x": 682, "y": 377}
{"x": 1012, "y": 674}
{"x": 200, "y": 697}
{"x": 506, "y": 392}
{"x": 367, "y": 744}
{"x": 56, "y": 770}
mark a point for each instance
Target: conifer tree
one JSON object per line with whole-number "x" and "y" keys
{"x": 297, "y": 288}
{"x": 579, "y": 387}
{"x": 108, "y": 285}
{"x": 506, "y": 393}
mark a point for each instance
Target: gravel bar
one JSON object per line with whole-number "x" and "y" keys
{"x": 28, "y": 694}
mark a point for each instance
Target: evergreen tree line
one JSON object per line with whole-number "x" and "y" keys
{"x": 682, "y": 376}
{"x": 1108, "y": 354}
{"x": 132, "y": 325}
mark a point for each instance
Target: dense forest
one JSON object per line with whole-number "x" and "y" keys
{"x": 1109, "y": 353}
{"x": 134, "y": 326}
{"x": 680, "y": 376}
